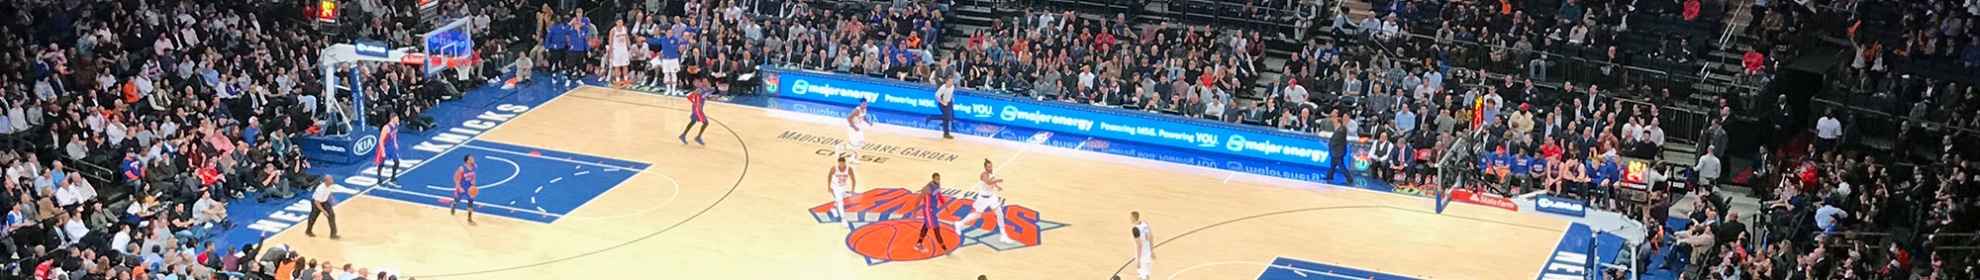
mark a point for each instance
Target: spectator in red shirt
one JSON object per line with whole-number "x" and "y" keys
{"x": 1753, "y": 60}
{"x": 1690, "y": 10}
{"x": 208, "y": 175}
{"x": 1550, "y": 150}
{"x": 1104, "y": 42}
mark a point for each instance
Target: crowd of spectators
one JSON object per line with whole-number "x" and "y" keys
{"x": 1914, "y": 60}
{"x": 1841, "y": 211}
{"x": 129, "y": 126}
{"x": 1834, "y": 215}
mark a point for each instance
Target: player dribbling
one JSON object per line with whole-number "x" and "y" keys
{"x": 987, "y": 200}
{"x": 465, "y": 187}
{"x": 842, "y": 184}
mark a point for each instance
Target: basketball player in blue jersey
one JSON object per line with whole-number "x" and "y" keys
{"x": 931, "y": 222}
{"x": 465, "y": 184}
{"x": 388, "y": 149}
{"x": 697, "y": 98}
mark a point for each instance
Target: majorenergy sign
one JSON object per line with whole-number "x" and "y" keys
{"x": 987, "y": 107}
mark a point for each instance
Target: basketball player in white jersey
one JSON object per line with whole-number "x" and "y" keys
{"x": 842, "y": 183}
{"x": 619, "y": 54}
{"x": 1144, "y": 245}
{"x": 856, "y": 124}
{"x": 987, "y": 200}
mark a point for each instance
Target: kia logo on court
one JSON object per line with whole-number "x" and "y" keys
{"x": 800, "y": 87}
{"x": 364, "y": 145}
{"x": 1551, "y": 204}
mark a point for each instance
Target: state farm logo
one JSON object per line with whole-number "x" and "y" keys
{"x": 1481, "y": 199}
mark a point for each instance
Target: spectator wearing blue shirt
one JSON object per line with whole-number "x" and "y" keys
{"x": 1406, "y": 120}
{"x": 1485, "y": 161}
{"x": 133, "y": 170}
{"x": 57, "y": 176}
{"x": 1595, "y": 175}
{"x": 1520, "y": 168}
{"x": 1501, "y": 166}
{"x": 1611, "y": 172}
{"x": 252, "y": 131}
{"x": 1827, "y": 215}
{"x": 1536, "y": 169}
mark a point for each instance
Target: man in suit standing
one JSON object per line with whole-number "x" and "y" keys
{"x": 1717, "y": 136}
{"x": 1337, "y": 147}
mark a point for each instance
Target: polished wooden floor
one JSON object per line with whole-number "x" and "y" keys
{"x": 724, "y": 211}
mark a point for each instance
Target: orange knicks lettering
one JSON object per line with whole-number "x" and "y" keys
{"x": 885, "y": 201}
{"x": 1024, "y": 224}
{"x": 952, "y": 205}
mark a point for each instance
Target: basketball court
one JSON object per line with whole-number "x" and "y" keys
{"x": 592, "y": 183}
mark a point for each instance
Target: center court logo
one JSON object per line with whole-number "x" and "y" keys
{"x": 888, "y": 221}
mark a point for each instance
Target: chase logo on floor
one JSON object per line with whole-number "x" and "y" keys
{"x": 887, "y": 227}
